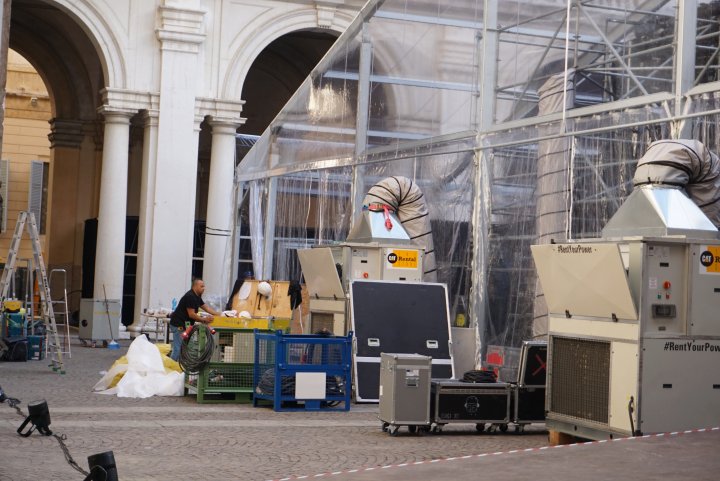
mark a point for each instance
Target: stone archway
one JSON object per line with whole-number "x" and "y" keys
{"x": 53, "y": 37}
{"x": 276, "y": 74}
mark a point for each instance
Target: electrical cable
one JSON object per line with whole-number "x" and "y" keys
{"x": 13, "y": 403}
{"x": 68, "y": 457}
{"x": 480, "y": 376}
{"x": 192, "y": 360}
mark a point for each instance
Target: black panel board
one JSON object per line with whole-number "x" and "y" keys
{"x": 89, "y": 248}
{"x": 403, "y": 316}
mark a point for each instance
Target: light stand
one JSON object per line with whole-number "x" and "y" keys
{"x": 102, "y": 467}
{"x": 38, "y": 417}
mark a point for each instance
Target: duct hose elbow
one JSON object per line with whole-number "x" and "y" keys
{"x": 407, "y": 200}
{"x": 686, "y": 164}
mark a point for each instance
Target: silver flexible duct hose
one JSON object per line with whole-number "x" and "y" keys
{"x": 553, "y": 181}
{"x": 684, "y": 163}
{"x": 404, "y": 197}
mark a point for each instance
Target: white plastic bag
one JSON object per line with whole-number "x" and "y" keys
{"x": 143, "y": 356}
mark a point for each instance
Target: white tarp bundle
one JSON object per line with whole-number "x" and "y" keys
{"x": 404, "y": 197}
{"x": 684, "y": 163}
{"x": 144, "y": 374}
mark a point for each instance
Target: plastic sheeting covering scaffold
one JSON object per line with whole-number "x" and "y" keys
{"x": 458, "y": 97}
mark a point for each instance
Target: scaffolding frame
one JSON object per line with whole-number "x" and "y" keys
{"x": 627, "y": 92}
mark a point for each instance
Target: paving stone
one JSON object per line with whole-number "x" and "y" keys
{"x": 174, "y": 438}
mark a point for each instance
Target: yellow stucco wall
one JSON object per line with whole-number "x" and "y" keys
{"x": 25, "y": 138}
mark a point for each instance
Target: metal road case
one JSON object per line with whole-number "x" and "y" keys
{"x": 533, "y": 364}
{"x": 529, "y": 405}
{"x": 455, "y": 401}
{"x": 404, "y": 391}
{"x": 529, "y": 396}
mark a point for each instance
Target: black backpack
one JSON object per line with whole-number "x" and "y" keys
{"x": 17, "y": 349}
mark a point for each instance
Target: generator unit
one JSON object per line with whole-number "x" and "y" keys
{"x": 634, "y": 321}
{"x": 99, "y": 320}
{"x": 377, "y": 248}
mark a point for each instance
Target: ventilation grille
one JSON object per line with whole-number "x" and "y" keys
{"x": 580, "y": 384}
{"x": 322, "y": 321}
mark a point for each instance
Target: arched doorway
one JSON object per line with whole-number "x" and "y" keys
{"x": 25, "y": 161}
{"x": 64, "y": 57}
{"x": 277, "y": 73}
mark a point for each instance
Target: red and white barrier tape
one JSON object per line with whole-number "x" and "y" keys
{"x": 455, "y": 458}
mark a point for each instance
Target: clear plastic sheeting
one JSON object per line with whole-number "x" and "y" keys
{"x": 448, "y": 95}
{"x": 424, "y": 69}
{"x": 618, "y": 48}
{"x": 312, "y": 208}
{"x": 600, "y": 170}
{"x": 257, "y": 224}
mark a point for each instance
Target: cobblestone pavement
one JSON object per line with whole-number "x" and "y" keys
{"x": 174, "y": 438}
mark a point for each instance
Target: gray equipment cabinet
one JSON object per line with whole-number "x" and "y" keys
{"x": 99, "y": 321}
{"x": 404, "y": 391}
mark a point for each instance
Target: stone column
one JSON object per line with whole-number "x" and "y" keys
{"x": 110, "y": 253}
{"x": 180, "y": 32}
{"x": 220, "y": 209}
{"x": 146, "y": 216}
{"x": 65, "y": 139}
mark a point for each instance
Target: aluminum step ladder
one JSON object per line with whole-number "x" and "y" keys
{"x": 60, "y": 309}
{"x": 52, "y": 339}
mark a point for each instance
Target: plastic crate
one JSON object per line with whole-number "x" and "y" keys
{"x": 302, "y": 372}
{"x": 226, "y": 379}
{"x": 16, "y": 331}
{"x": 504, "y": 360}
{"x": 35, "y": 348}
{"x": 15, "y": 324}
{"x": 241, "y": 323}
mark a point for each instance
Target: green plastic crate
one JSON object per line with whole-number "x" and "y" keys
{"x": 228, "y": 378}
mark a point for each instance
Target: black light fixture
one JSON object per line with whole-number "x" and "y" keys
{"x": 38, "y": 417}
{"x": 102, "y": 467}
